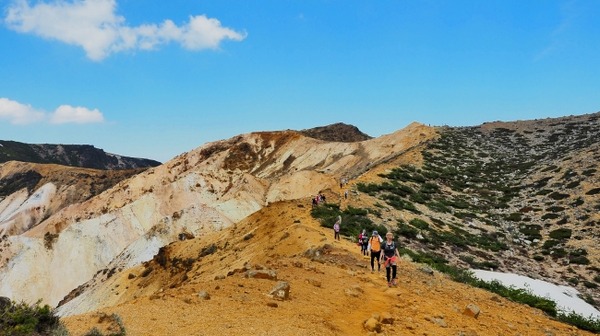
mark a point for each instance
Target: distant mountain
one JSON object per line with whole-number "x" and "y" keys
{"x": 85, "y": 156}
{"x": 338, "y": 132}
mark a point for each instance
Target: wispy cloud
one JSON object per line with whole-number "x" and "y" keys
{"x": 569, "y": 13}
{"x": 94, "y": 26}
{"x": 18, "y": 113}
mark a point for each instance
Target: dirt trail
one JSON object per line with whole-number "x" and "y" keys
{"x": 333, "y": 294}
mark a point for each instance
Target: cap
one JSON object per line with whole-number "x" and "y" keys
{"x": 375, "y": 233}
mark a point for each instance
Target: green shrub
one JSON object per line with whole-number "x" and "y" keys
{"x": 558, "y": 196}
{"x": 594, "y": 191}
{"x": 420, "y": 197}
{"x": 23, "y": 319}
{"x": 580, "y": 260}
{"x": 514, "y": 217}
{"x": 589, "y": 172}
{"x": 550, "y": 216}
{"x": 401, "y": 204}
{"x": 438, "y": 207}
{"x": 561, "y": 234}
{"x": 430, "y": 188}
{"x": 406, "y": 230}
{"x": 579, "y": 201}
{"x": 556, "y": 209}
{"x": 354, "y": 220}
{"x": 572, "y": 184}
{"x": 419, "y": 224}
{"x": 465, "y": 276}
{"x": 531, "y": 231}
{"x": 544, "y": 192}
{"x": 559, "y": 253}
{"x": 584, "y": 323}
{"x": 550, "y": 243}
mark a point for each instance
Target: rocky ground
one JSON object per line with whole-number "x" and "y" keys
{"x": 222, "y": 283}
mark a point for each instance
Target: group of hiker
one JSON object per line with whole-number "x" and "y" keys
{"x": 383, "y": 252}
{"x": 318, "y": 199}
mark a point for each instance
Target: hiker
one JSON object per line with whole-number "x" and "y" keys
{"x": 336, "y": 228}
{"x": 363, "y": 240}
{"x": 390, "y": 258}
{"x": 315, "y": 202}
{"x": 346, "y": 194}
{"x": 375, "y": 248}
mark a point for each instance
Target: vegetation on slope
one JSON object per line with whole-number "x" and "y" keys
{"x": 357, "y": 218}
{"x": 22, "y": 319}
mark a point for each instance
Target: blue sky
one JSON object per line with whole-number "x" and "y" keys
{"x": 158, "y": 78}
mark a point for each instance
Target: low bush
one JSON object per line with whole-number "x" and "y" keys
{"x": 586, "y": 323}
{"x": 354, "y": 220}
{"x": 561, "y": 234}
{"x": 594, "y": 191}
{"x": 18, "y": 319}
{"x": 559, "y": 196}
{"x": 419, "y": 224}
{"x": 550, "y": 243}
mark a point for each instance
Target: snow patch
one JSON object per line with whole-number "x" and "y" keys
{"x": 567, "y": 298}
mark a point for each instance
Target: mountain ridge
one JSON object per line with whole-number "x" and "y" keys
{"x": 482, "y": 196}
{"x": 85, "y": 156}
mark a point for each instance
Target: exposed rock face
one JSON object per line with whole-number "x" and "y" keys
{"x": 198, "y": 192}
{"x": 30, "y": 193}
{"x": 339, "y": 132}
{"x": 85, "y": 156}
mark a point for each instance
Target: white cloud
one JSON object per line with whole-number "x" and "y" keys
{"x": 94, "y": 26}
{"x": 21, "y": 114}
{"x": 79, "y": 115}
{"x": 17, "y": 113}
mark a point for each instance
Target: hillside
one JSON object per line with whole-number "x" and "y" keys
{"x": 221, "y": 282}
{"x": 85, "y": 156}
{"x": 30, "y": 193}
{"x": 205, "y": 190}
{"x": 518, "y": 197}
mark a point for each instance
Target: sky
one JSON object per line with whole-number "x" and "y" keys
{"x": 155, "y": 79}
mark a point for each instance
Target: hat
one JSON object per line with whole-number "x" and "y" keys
{"x": 375, "y": 233}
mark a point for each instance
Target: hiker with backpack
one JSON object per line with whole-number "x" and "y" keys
{"x": 390, "y": 258}
{"x": 336, "y": 228}
{"x": 363, "y": 241}
{"x": 375, "y": 248}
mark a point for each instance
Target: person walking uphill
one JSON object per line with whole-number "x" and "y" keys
{"x": 336, "y": 228}
{"x": 390, "y": 259}
{"x": 375, "y": 248}
{"x": 363, "y": 240}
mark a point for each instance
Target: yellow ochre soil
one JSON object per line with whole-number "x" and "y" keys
{"x": 332, "y": 290}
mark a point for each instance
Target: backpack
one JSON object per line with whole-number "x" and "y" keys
{"x": 375, "y": 243}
